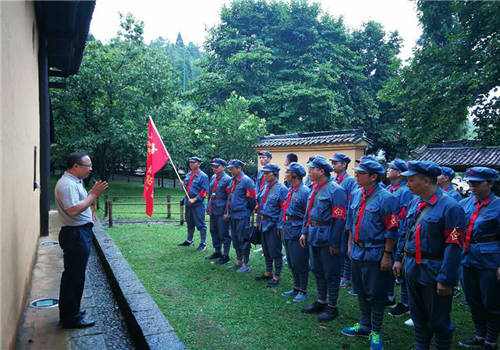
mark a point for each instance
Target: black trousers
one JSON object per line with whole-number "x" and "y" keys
{"x": 75, "y": 242}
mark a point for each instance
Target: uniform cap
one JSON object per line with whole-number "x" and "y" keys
{"x": 265, "y": 153}
{"x": 370, "y": 166}
{"x": 425, "y": 167}
{"x": 236, "y": 162}
{"x": 218, "y": 162}
{"x": 398, "y": 164}
{"x": 340, "y": 157}
{"x": 320, "y": 163}
{"x": 194, "y": 159}
{"x": 480, "y": 173}
{"x": 297, "y": 169}
{"x": 272, "y": 168}
{"x": 448, "y": 172}
{"x": 366, "y": 157}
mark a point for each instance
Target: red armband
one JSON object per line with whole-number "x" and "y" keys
{"x": 338, "y": 212}
{"x": 282, "y": 205}
{"x": 202, "y": 193}
{"x": 402, "y": 213}
{"x": 390, "y": 221}
{"x": 454, "y": 235}
{"x": 251, "y": 194}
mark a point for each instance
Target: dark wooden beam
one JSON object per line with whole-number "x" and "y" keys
{"x": 57, "y": 85}
{"x": 57, "y": 73}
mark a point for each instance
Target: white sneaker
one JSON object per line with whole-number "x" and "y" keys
{"x": 257, "y": 250}
{"x": 409, "y": 323}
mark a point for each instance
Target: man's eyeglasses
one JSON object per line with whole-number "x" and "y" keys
{"x": 86, "y": 165}
{"x": 357, "y": 173}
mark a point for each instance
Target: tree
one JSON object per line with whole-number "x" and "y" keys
{"x": 299, "y": 69}
{"x": 454, "y": 69}
{"x": 105, "y": 107}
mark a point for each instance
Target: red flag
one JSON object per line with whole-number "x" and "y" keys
{"x": 157, "y": 158}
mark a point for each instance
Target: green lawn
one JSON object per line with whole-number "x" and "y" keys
{"x": 211, "y": 307}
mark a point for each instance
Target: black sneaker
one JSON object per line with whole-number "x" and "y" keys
{"x": 391, "y": 304}
{"x": 186, "y": 243}
{"x": 329, "y": 314}
{"x": 273, "y": 283}
{"x": 201, "y": 247}
{"x": 399, "y": 310}
{"x": 489, "y": 346}
{"x": 315, "y": 308}
{"x": 214, "y": 256}
{"x": 223, "y": 260}
{"x": 472, "y": 343}
{"x": 456, "y": 292}
{"x": 263, "y": 277}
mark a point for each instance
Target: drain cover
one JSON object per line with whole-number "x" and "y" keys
{"x": 48, "y": 244}
{"x": 44, "y": 303}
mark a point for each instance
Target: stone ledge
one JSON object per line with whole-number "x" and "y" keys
{"x": 147, "y": 325}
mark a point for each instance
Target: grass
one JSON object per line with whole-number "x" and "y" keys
{"x": 211, "y": 307}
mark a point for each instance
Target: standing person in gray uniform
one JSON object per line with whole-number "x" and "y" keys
{"x": 219, "y": 228}
{"x": 270, "y": 202}
{"x": 240, "y": 204}
{"x": 293, "y": 215}
{"x": 73, "y": 205}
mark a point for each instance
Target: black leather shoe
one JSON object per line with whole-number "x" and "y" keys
{"x": 329, "y": 314}
{"x": 315, "y": 308}
{"x": 81, "y": 323}
{"x": 263, "y": 277}
{"x": 213, "y": 256}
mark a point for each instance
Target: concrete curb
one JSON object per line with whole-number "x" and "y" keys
{"x": 147, "y": 325}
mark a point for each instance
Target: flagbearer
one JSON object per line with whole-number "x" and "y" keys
{"x": 240, "y": 205}
{"x": 219, "y": 229}
{"x": 271, "y": 200}
{"x": 481, "y": 258}
{"x": 435, "y": 224}
{"x": 197, "y": 189}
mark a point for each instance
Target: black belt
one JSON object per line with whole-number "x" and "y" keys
{"x": 424, "y": 255}
{"x": 363, "y": 244}
{"x": 88, "y": 224}
{"x": 319, "y": 223}
{"x": 267, "y": 217}
{"x": 293, "y": 218}
{"x": 486, "y": 239}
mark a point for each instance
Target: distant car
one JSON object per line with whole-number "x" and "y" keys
{"x": 140, "y": 171}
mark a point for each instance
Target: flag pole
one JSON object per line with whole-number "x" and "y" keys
{"x": 170, "y": 158}
{"x": 182, "y": 182}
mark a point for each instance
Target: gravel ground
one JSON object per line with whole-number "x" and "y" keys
{"x": 106, "y": 312}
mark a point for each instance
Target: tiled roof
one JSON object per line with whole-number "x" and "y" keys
{"x": 313, "y": 138}
{"x": 459, "y": 154}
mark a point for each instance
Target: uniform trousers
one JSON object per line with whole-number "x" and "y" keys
{"x": 372, "y": 286}
{"x": 219, "y": 230}
{"x": 327, "y": 268}
{"x": 430, "y": 313}
{"x": 195, "y": 217}
{"x": 240, "y": 235}
{"x": 298, "y": 262}
{"x": 482, "y": 293}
